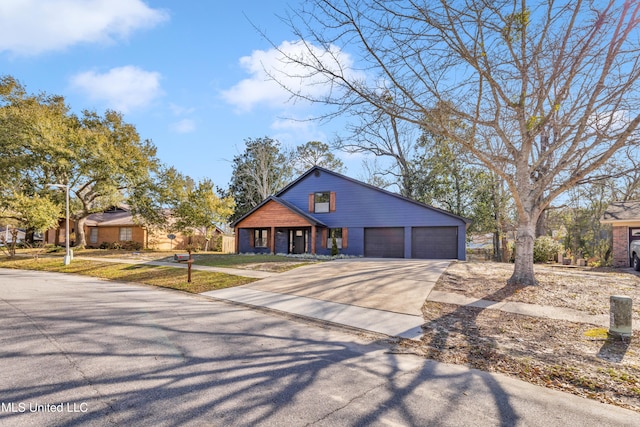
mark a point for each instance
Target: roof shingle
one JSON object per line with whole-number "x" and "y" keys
{"x": 622, "y": 211}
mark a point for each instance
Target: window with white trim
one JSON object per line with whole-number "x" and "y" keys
{"x": 93, "y": 235}
{"x": 126, "y": 234}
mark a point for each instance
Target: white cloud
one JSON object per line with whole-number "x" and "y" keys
{"x": 294, "y": 125}
{"x": 610, "y": 121}
{"x": 293, "y": 132}
{"x": 260, "y": 88}
{"x": 29, "y": 27}
{"x": 122, "y": 88}
{"x": 179, "y": 110}
{"x": 183, "y": 126}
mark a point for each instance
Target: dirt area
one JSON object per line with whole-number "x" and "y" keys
{"x": 572, "y": 357}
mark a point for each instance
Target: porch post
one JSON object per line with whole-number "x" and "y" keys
{"x": 313, "y": 240}
{"x": 272, "y": 240}
{"x": 237, "y": 240}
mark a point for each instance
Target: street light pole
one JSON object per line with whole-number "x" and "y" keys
{"x": 67, "y": 256}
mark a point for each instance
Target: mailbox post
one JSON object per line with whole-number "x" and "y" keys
{"x": 185, "y": 258}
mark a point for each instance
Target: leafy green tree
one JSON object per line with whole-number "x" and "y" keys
{"x": 155, "y": 199}
{"x": 545, "y": 249}
{"x": 315, "y": 153}
{"x": 109, "y": 161}
{"x": 579, "y": 218}
{"x": 448, "y": 177}
{"x": 259, "y": 172}
{"x": 30, "y": 154}
{"x": 444, "y": 176}
{"x": 172, "y": 202}
{"x": 100, "y": 158}
{"x": 34, "y": 212}
{"x": 203, "y": 209}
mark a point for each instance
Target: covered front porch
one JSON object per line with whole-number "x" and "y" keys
{"x": 276, "y": 240}
{"x": 276, "y": 226}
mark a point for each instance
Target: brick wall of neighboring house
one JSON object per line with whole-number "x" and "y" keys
{"x": 140, "y": 235}
{"x": 108, "y": 234}
{"x": 112, "y": 234}
{"x": 149, "y": 239}
{"x": 621, "y": 246}
{"x": 159, "y": 241}
{"x": 50, "y": 236}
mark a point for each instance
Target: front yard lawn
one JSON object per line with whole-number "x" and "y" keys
{"x": 166, "y": 277}
{"x": 275, "y": 263}
{"x": 263, "y": 262}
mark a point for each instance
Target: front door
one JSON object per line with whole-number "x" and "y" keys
{"x": 298, "y": 246}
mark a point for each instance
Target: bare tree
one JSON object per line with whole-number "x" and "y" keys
{"x": 547, "y": 90}
{"x": 385, "y": 136}
{"x": 374, "y": 174}
{"x": 625, "y": 175}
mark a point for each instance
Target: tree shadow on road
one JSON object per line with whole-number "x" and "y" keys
{"x": 181, "y": 360}
{"x": 461, "y": 321}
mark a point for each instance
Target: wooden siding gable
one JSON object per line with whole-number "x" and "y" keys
{"x": 274, "y": 214}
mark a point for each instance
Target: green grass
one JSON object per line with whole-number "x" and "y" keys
{"x": 230, "y": 260}
{"x": 620, "y": 376}
{"x": 166, "y": 277}
{"x": 234, "y": 260}
{"x": 212, "y": 259}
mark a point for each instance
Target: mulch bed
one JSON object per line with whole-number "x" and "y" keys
{"x": 573, "y": 357}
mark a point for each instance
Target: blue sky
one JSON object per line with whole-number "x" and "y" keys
{"x": 188, "y": 74}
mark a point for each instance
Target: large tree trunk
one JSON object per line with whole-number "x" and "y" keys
{"x": 523, "y": 268}
{"x": 541, "y": 224}
{"x": 81, "y": 239}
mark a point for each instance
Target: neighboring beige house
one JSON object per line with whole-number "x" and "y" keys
{"x": 115, "y": 225}
{"x": 118, "y": 225}
{"x": 625, "y": 220}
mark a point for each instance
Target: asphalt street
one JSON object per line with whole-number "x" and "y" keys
{"x": 80, "y": 351}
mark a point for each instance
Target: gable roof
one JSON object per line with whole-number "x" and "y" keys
{"x": 312, "y": 220}
{"x": 621, "y": 211}
{"x": 113, "y": 217}
{"x": 364, "y": 184}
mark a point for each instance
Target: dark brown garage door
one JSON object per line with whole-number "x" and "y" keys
{"x": 385, "y": 242}
{"x": 434, "y": 242}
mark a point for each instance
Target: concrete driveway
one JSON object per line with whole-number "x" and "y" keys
{"x": 396, "y": 285}
{"x": 378, "y": 295}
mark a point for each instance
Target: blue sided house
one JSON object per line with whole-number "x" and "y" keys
{"x": 322, "y": 206}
